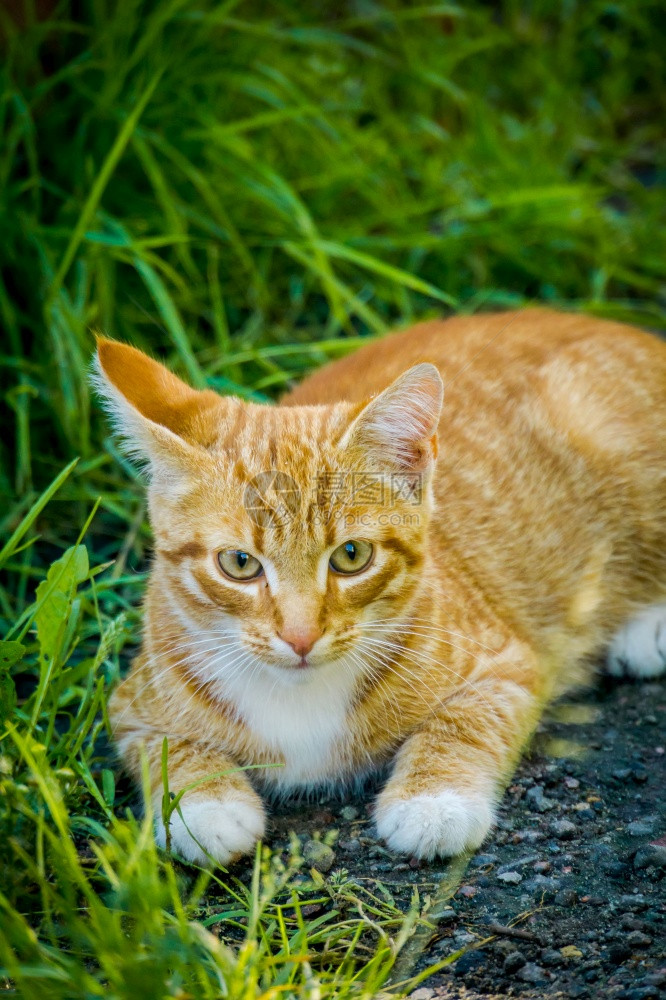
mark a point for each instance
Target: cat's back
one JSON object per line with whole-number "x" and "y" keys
{"x": 513, "y": 349}
{"x": 598, "y": 385}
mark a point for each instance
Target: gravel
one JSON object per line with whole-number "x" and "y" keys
{"x": 578, "y": 879}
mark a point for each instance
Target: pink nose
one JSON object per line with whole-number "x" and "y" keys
{"x": 301, "y": 640}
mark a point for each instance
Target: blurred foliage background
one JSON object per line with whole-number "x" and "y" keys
{"x": 246, "y": 189}
{"x": 212, "y": 179}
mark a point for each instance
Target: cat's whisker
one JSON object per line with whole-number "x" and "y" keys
{"x": 398, "y": 658}
{"x": 371, "y": 670}
{"x": 418, "y": 633}
{"x": 390, "y": 663}
{"x": 426, "y": 629}
{"x": 411, "y": 651}
{"x": 172, "y": 665}
{"x": 224, "y": 669}
{"x": 420, "y": 656}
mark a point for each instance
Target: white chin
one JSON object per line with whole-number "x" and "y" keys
{"x": 291, "y": 676}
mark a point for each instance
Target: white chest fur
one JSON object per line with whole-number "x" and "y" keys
{"x": 304, "y": 722}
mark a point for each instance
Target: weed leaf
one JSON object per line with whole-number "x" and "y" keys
{"x": 57, "y": 593}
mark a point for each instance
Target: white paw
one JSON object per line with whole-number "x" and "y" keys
{"x": 430, "y": 825}
{"x": 639, "y": 648}
{"x": 225, "y": 829}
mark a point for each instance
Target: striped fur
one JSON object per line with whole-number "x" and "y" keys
{"x": 502, "y": 567}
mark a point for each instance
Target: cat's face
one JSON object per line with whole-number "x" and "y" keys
{"x": 286, "y": 538}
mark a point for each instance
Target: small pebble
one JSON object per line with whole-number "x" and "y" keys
{"x": 566, "y": 897}
{"x": 532, "y": 973}
{"x": 319, "y": 856}
{"x": 578, "y": 992}
{"x": 467, "y": 891}
{"x": 639, "y": 993}
{"x": 633, "y": 901}
{"x": 629, "y": 922}
{"x": 642, "y": 827}
{"x": 349, "y": 813}
{"x": 618, "y": 953}
{"x": 650, "y": 855}
{"x": 423, "y": 993}
{"x": 621, "y": 773}
{"x": 657, "y": 978}
{"x": 638, "y": 940}
{"x": 481, "y": 860}
{"x": 542, "y": 882}
{"x": 511, "y": 878}
{"x": 471, "y": 961}
{"x": 537, "y": 801}
{"x": 531, "y": 836}
{"x": 563, "y": 829}
{"x": 514, "y": 960}
{"x": 464, "y": 937}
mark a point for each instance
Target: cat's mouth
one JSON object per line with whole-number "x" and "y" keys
{"x": 300, "y": 666}
{"x": 307, "y": 664}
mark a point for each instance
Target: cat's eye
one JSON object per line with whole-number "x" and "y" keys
{"x": 351, "y": 557}
{"x": 239, "y": 565}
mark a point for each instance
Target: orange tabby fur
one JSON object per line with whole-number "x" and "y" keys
{"x": 537, "y": 544}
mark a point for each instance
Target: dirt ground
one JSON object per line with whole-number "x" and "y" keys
{"x": 571, "y": 886}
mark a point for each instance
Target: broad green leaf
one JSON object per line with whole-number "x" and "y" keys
{"x": 7, "y": 698}
{"x": 108, "y": 786}
{"x": 57, "y": 592}
{"x": 10, "y": 653}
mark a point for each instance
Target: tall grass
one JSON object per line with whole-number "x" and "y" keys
{"x": 246, "y": 190}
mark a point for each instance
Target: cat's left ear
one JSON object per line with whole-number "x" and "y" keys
{"x": 162, "y": 420}
{"x": 399, "y": 426}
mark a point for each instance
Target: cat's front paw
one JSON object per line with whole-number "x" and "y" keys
{"x": 639, "y": 648}
{"x": 426, "y": 826}
{"x": 225, "y": 829}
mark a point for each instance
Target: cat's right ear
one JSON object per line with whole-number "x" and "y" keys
{"x": 399, "y": 426}
{"x": 163, "y": 422}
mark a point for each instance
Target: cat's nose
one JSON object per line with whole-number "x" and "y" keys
{"x": 301, "y": 639}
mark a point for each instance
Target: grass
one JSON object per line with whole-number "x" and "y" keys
{"x": 247, "y": 190}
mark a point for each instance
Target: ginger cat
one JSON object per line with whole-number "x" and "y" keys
{"x": 331, "y": 595}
